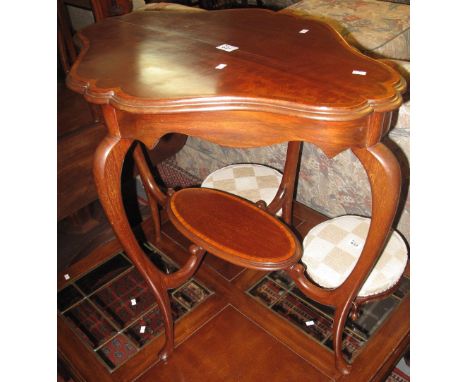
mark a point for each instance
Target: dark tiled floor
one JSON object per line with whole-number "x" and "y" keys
{"x": 112, "y": 310}
{"x": 278, "y": 292}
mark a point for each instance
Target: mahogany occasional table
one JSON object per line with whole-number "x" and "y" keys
{"x": 238, "y": 78}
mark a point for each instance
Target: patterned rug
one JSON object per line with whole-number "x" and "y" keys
{"x": 175, "y": 177}
{"x": 398, "y": 376}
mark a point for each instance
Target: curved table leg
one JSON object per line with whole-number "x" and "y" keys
{"x": 284, "y": 196}
{"x": 108, "y": 164}
{"x": 384, "y": 175}
{"x": 152, "y": 190}
{"x": 290, "y": 178}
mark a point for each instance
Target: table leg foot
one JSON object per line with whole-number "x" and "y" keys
{"x": 339, "y": 320}
{"x": 164, "y": 355}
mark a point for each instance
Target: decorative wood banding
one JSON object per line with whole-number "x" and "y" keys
{"x": 233, "y": 229}
{"x": 156, "y": 68}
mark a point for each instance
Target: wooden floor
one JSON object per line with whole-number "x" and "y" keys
{"x": 230, "y": 336}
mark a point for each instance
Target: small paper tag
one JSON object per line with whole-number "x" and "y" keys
{"x": 66, "y": 277}
{"x": 227, "y": 47}
{"x": 359, "y": 72}
{"x": 303, "y": 31}
{"x": 133, "y": 301}
{"x": 221, "y": 66}
{"x": 142, "y": 329}
{"x": 310, "y": 323}
{"x": 355, "y": 243}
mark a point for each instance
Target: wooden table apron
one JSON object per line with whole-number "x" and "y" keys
{"x": 353, "y": 113}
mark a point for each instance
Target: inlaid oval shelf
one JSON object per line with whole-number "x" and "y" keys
{"x": 233, "y": 229}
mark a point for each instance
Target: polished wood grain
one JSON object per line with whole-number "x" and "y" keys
{"x": 291, "y": 72}
{"x": 233, "y": 360}
{"x": 75, "y": 182}
{"x": 281, "y": 86}
{"x": 233, "y": 229}
{"x": 283, "y": 199}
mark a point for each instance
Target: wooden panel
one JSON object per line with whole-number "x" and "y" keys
{"x": 244, "y": 352}
{"x": 73, "y": 111}
{"x": 84, "y": 363}
{"x": 75, "y": 156}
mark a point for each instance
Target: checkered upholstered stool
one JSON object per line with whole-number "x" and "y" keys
{"x": 253, "y": 182}
{"x": 332, "y": 249}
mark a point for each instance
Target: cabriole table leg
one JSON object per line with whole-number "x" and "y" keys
{"x": 108, "y": 163}
{"x": 383, "y": 172}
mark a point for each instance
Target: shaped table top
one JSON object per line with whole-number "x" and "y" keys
{"x": 160, "y": 62}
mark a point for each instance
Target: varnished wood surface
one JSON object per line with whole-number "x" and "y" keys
{"x": 234, "y": 356}
{"x": 76, "y": 187}
{"x": 77, "y": 138}
{"x": 268, "y": 331}
{"x": 72, "y": 111}
{"x": 233, "y": 229}
{"x": 165, "y": 61}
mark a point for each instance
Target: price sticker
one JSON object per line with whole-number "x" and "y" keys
{"x": 227, "y": 47}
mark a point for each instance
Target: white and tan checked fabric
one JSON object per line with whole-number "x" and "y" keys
{"x": 250, "y": 181}
{"x": 332, "y": 249}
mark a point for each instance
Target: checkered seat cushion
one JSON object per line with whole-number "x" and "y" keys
{"x": 332, "y": 249}
{"x": 250, "y": 181}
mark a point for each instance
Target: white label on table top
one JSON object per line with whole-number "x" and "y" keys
{"x": 227, "y": 47}
{"x": 66, "y": 276}
{"x": 133, "y": 301}
{"x": 359, "y": 72}
{"x": 310, "y": 323}
{"x": 303, "y": 31}
{"x": 142, "y": 329}
{"x": 221, "y": 66}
